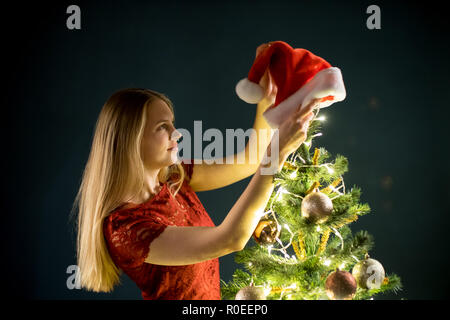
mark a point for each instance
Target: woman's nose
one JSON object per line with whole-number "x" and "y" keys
{"x": 175, "y": 135}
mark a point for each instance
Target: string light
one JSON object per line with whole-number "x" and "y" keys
{"x": 327, "y": 262}
{"x": 339, "y": 236}
{"x": 287, "y": 258}
{"x": 293, "y": 174}
{"x": 300, "y": 158}
{"x": 267, "y": 289}
{"x": 284, "y": 191}
{"x": 330, "y": 170}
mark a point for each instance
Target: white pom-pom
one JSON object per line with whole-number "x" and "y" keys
{"x": 249, "y": 91}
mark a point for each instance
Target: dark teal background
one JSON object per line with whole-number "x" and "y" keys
{"x": 392, "y": 127}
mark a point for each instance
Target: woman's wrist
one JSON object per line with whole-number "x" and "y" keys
{"x": 273, "y": 159}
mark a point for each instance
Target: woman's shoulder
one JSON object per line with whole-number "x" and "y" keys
{"x": 120, "y": 216}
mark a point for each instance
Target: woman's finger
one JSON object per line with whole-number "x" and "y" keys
{"x": 261, "y": 48}
{"x": 309, "y": 106}
{"x": 301, "y": 112}
{"x": 305, "y": 118}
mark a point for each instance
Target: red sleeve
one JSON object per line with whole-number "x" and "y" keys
{"x": 128, "y": 236}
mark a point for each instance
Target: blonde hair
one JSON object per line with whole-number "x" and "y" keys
{"x": 114, "y": 170}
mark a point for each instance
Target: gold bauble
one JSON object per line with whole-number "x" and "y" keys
{"x": 251, "y": 293}
{"x": 317, "y": 206}
{"x": 369, "y": 273}
{"x": 267, "y": 231}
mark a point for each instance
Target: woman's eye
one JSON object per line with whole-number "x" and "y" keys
{"x": 164, "y": 126}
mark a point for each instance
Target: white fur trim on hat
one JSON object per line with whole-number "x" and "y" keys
{"x": 249, "y": 91}
{"x": 326, "y": 82}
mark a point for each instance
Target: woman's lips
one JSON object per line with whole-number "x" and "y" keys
{"x": 173, "y": 149}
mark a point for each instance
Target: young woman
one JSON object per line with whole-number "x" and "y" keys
{"x": 137, "y": 208}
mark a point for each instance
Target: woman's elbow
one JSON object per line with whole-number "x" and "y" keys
{"x": 239, "y": 245}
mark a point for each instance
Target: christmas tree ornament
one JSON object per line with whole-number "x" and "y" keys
{"x": 267, "y": 231}
{"x": 315, "y": 159}
{"x": 331, "y": 186}
{"x": 316, "y": 206}
{"x": 300, "y": 77}
{"x": 347, "y": 221}
{"x": 340, "y": 285}
{"x": 369, "y": 273}
{"x": 316, "y": 184}
{"x": 323, "y": 242}
{"x": 299, "y": 249}
{"x": 289, "y": 166}
{"x": 251, "y": 292}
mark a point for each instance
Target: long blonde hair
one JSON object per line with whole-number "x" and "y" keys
{"x": 114, "y": 170}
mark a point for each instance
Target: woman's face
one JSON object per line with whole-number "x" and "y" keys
{"x": 160, "y": 136}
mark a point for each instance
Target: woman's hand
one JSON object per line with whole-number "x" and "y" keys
{"x": 270, "y": 89}
{"x": 293, "y": 131}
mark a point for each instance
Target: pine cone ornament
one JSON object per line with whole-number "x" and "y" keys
{"x": 316, "y": 206}
{"x": 369, "y": 273}
{"x": 340, "y": 285}
{"x": 266, "y": 231}
{"x": 251, "y": 293}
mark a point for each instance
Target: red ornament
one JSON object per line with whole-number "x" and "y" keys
{"x": 340, "y": 285}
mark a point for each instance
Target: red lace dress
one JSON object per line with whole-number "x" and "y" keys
{"x": 129, "y": 231}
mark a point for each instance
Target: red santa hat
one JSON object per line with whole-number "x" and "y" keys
{"x": 300, "y": 77}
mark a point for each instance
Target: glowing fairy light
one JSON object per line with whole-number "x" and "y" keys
{"x": 321, "y": 118}
{"x": 330, "y": 170}
{"x": 250, "y": 264}
{"x": 269, "y": 248}
{"x": 267, "y": 290}
{"x": 342, "y": 266}
{"x": 317, "y": 135}
{"x": 293, "y": 175}
{"x": 280, "y": 193}
{"x": 318, "y": 229}
{"x": 327, "y": 262}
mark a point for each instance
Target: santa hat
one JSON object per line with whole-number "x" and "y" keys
{"x": 300, "y": 77}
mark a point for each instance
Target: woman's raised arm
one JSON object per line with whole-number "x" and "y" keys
{"x": 228, "y": 173}
{"x": 189, "y": 245}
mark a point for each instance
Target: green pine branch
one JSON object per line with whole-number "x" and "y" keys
{"x": 306, "y": 278}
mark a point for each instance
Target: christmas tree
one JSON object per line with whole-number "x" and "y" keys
{"x": 303, "y": 247}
